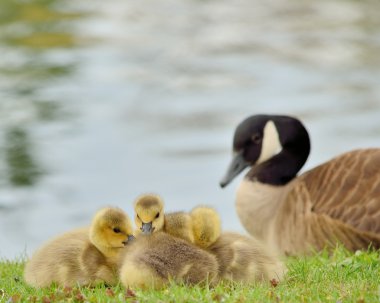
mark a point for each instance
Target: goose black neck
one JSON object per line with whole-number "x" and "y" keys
{"x": 284, "y": 166}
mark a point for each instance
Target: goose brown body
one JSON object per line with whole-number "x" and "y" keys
{"x": 335, "y": 202}
{"x": 338, "y": 201}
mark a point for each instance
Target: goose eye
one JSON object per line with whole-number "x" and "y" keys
{"x": 158, "y": 214}
{"x": 256, "y": 138}
{"x": 116, "y": 230}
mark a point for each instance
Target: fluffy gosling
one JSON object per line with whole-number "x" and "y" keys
{"x": 153, "y": 261}
{"x": 150, "y": 217}
{"x": 245, "y": 259}
{"x": 85, "y": 256}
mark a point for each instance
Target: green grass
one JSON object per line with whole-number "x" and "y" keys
{"x": 342, "y": 277}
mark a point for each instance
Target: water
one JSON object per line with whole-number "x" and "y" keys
{"x": 102, "y": 101}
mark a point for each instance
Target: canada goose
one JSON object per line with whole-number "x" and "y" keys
{"x": 245, "y": 259}
{"x": 206, "y": 225}
{"x": 152, "y": 261}
{"x": 150, "y": 217}
{"x": 338, "y": 201}
{"x": 84, "y": 256}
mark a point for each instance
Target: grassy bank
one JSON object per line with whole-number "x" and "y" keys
{"x": 343, "y": 277}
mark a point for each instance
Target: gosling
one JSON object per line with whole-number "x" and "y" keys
{"x": 245, "y": 259}
{"x": 150, "y": 217}
{"x": 85, "y": 256}
{"x": 153, "y": 261}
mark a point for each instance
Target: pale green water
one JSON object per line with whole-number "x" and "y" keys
{"x": 103, "y": 100}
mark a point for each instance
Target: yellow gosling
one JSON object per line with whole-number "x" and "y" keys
{"x": 149, "y": 213}
{"x": 150, "y": 217}
{"x": 84, "y": 256}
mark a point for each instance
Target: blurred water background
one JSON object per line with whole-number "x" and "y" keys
{"x": 101, "y": 101}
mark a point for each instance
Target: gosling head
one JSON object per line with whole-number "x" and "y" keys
{"x": 111, "y": 228}
{"x": 149, "y": 213}
{"x": 206, "y": 225}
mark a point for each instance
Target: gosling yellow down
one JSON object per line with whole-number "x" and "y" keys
{"x": 206, "y": 226}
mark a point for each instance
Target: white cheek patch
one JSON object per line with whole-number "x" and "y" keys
{"x": 271, "y": 145}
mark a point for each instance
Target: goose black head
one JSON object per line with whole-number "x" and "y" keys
{"x": 261, "y": 138}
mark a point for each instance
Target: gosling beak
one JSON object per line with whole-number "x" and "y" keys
{"x": 237, "y": 165}
{"x": 129, "y": 240}
{"x": 147, "y": 228}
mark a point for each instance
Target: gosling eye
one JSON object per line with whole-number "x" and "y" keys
{"x": 158, "y": 214}
{"x": 117, "y": 230}
{"x": 138, "y": 217}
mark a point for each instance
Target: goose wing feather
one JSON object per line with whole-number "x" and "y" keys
{"x": 347, "y": 189}
{"x": 336, "y": 201}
